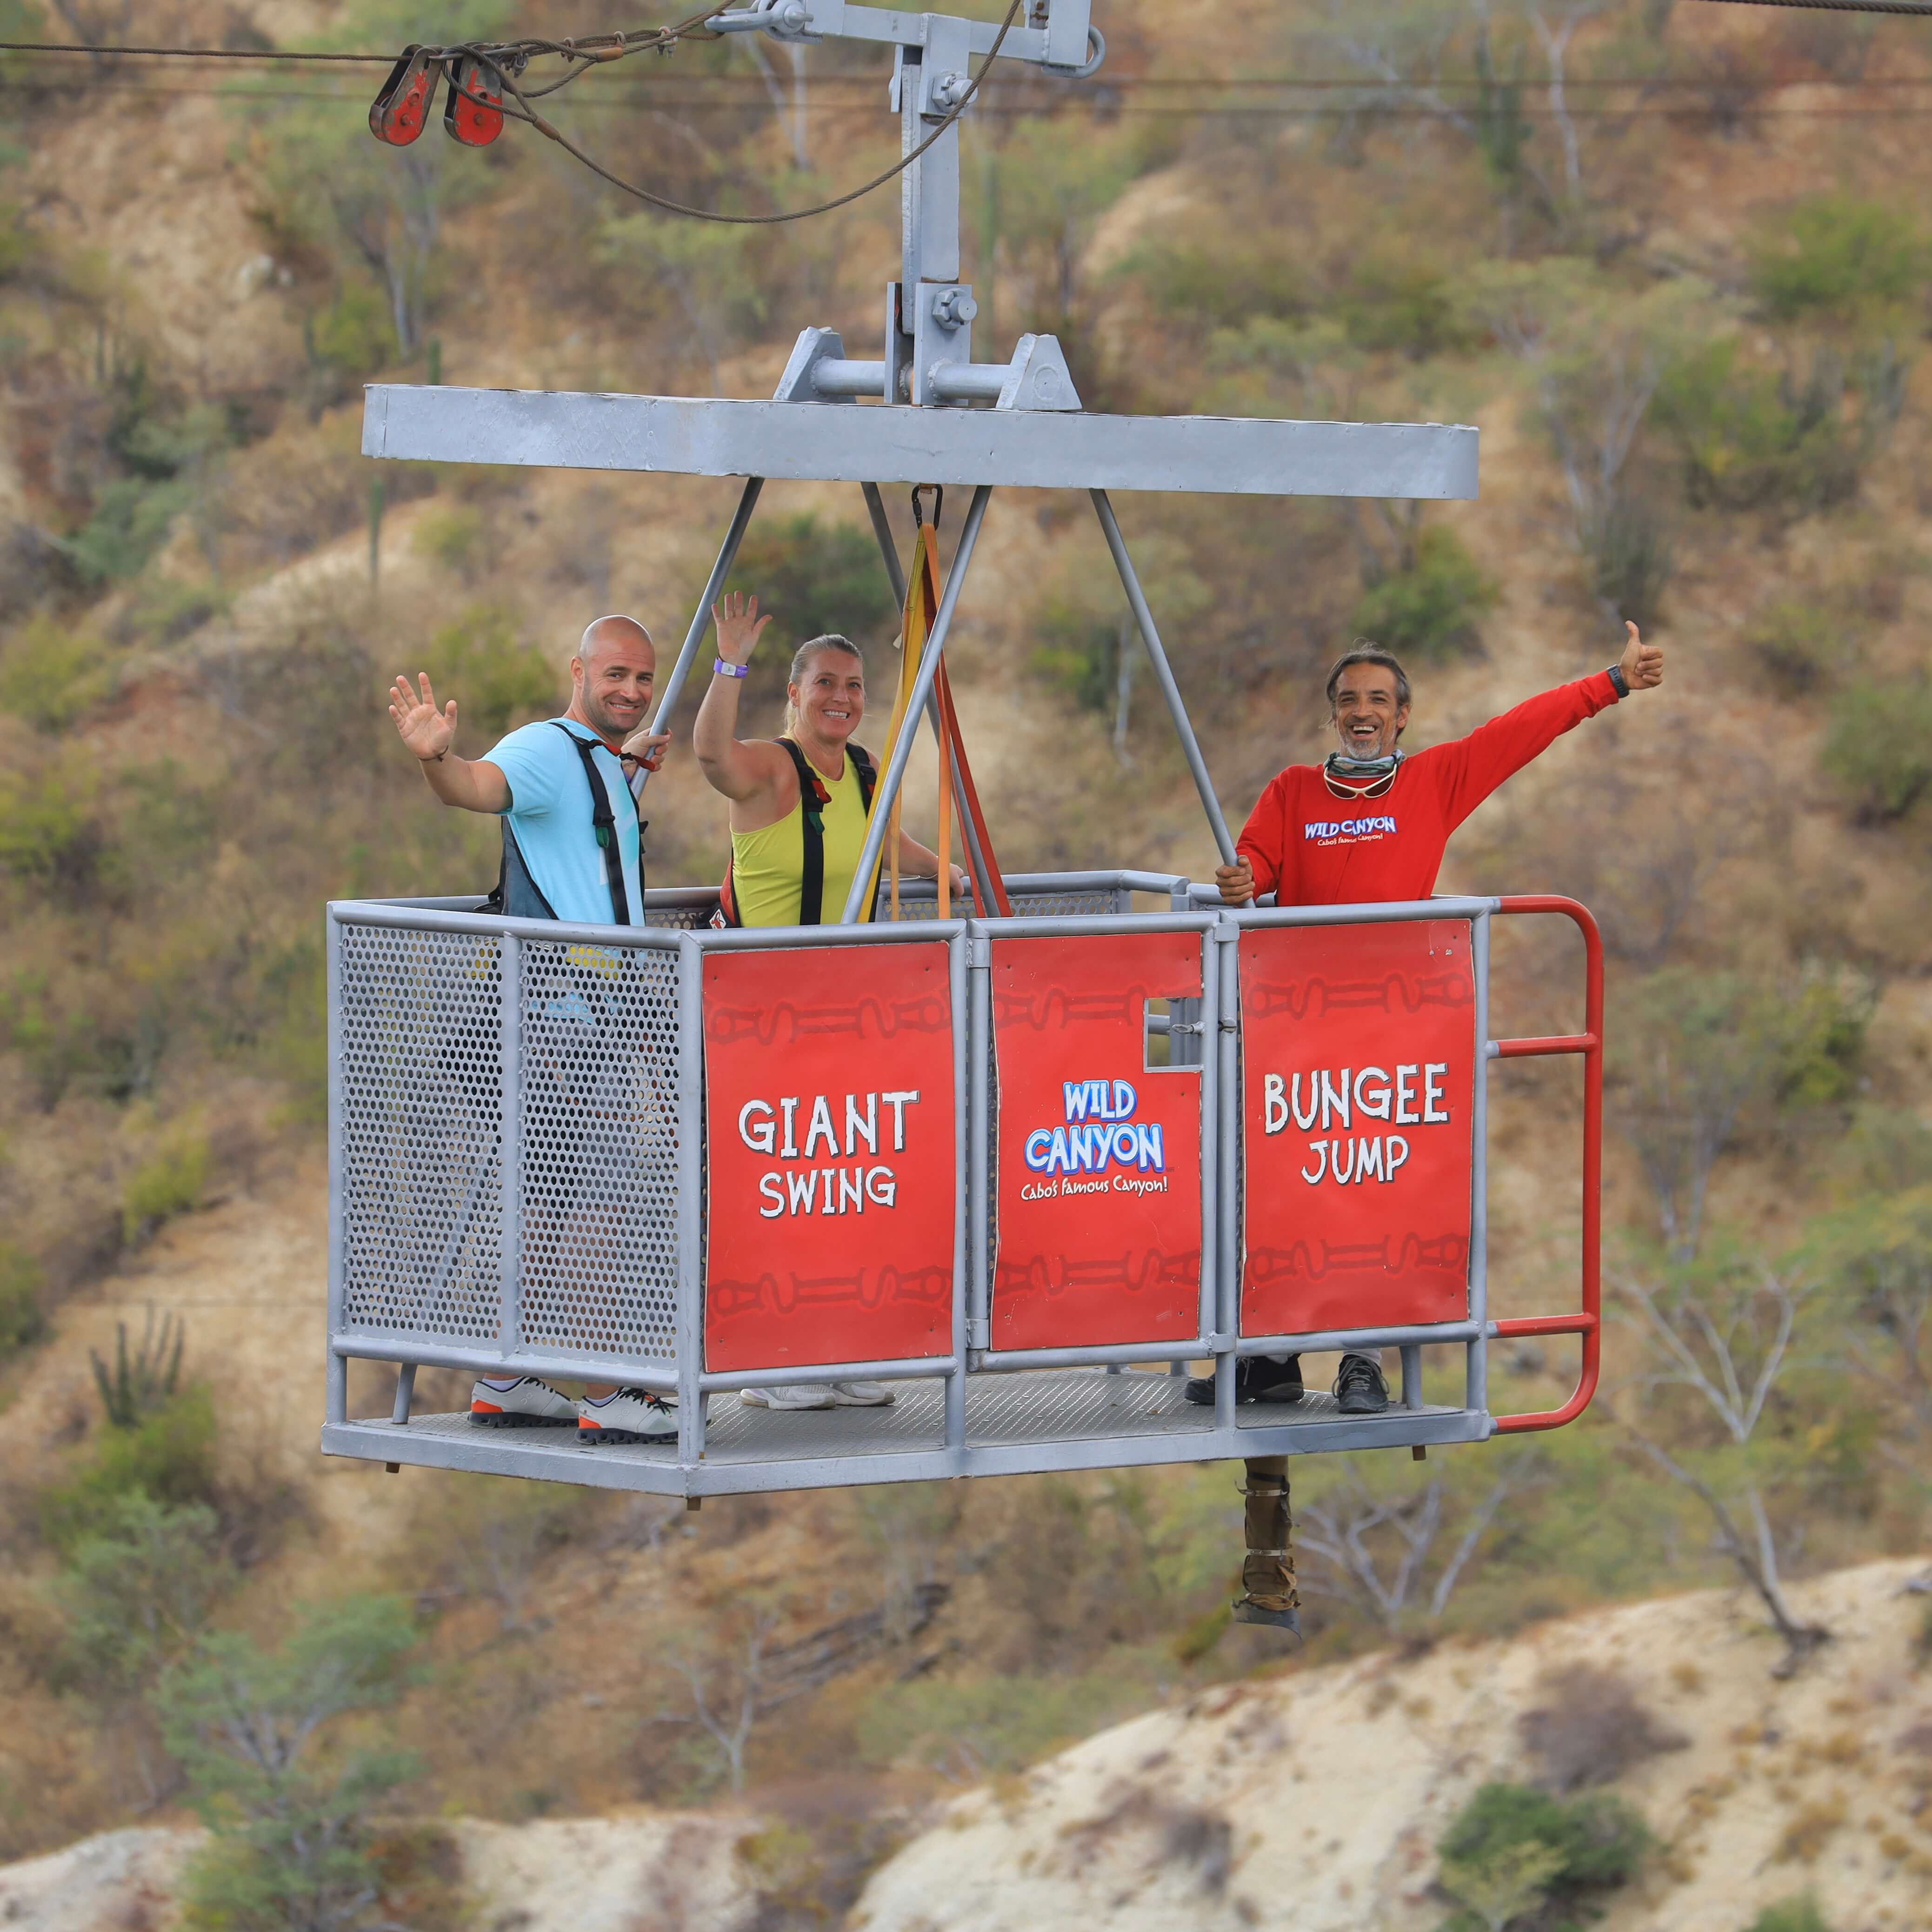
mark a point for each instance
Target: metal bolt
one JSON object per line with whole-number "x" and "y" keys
{"x": 952, "y": 307}
{"x": 946, "y": 90}
{"x": 794, "y": 16}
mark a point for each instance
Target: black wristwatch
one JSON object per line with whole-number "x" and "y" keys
{"x": 1618, "y": 682}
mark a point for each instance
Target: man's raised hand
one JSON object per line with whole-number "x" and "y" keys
{"x": 739, "y": 626}
{"x": 1641, "y": 664}
{"x": 427, "y": 732}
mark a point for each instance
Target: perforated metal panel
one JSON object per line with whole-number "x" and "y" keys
{"x": 1063, "y": 905}
{"x": 599, "y": 1141}
{"x": 680, "y": 918}
{"x": 421, "y": 1046}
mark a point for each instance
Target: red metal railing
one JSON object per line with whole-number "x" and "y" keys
{"x": 1589, "y": 1323}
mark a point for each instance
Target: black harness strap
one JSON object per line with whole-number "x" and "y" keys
{"x": 604, "y": 822}
{"x": 518, "y": 893}
{"x": 813, "y": 798}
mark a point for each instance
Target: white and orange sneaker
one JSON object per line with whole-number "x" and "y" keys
{"x": 630, "y": 1415}
{"x": 524, "y": 1403}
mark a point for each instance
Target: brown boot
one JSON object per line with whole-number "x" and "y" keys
{"x": 1268, "y": 1594}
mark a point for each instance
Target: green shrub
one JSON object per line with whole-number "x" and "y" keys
{"x": 1825, "y": 1025}
{"x": 136, "y": 1591}
{"x": 1429, "y": 608}
{"x": 49, "y": 831}
{"x": 167, "y": 611}
{"x": 22, "y": 1323}
{"x": 1077, "y": 650}
{"x": 1799, "y": 647}
{"x": 169, "y": 1182}
{"x": 1748, "y": 436}
{"x": 497, "y": 679}
{"x": 50, "y": 677}
{"x": 1878, "y": 744}
{"x": 130, "y": 520}
{"x": 253, "y": 1730}
{"x": 815, "y": 578}
{"x": 1800, "y": 1914}
{"x": 1402, "y": 302}
{"x": 169, "y": 1458}
{"x": 1838, "y": 254}
{"x": 1219, "y": 283}
{"x": 451, "y": 536}
{"x": 354, "y": 335}
{"x": 1510, "y": 1837}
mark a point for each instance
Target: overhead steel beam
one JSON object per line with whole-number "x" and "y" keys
{"x": 689, "y": 436}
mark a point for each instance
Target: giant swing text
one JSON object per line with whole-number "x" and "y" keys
{"x": 832, "y": 1188}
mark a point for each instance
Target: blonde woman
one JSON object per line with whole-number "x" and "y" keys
{"x": 800, "y": 805}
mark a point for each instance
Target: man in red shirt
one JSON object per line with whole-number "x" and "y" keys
{"x": 1370, "y": 824}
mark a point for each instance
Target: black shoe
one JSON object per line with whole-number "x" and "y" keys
{"x": 1360, "y": 1387}
{"x": 1246, "y": 1610}
{"x": 1257, "y": 1378}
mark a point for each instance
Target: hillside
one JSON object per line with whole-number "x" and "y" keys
{"x": 1315, "y": 1798}
{"x": 1686, "y": 302}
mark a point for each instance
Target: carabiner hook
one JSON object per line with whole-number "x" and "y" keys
{"x": 938, "y": 504}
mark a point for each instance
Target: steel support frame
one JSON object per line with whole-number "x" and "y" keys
{"x": 969, "y": 949}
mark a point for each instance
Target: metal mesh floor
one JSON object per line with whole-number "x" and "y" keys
{"x": 1052, "y": 1405}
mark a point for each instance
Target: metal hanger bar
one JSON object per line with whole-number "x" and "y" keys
{"x": 1164, "y": 672}
{"x": 674, "y": 689}
{"x": 694, "y": 436}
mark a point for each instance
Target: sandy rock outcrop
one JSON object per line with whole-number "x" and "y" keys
{"x": 119, "y": 1881}
{"x": 639, "y": 1871}
{"x": 1316, "y": 1800}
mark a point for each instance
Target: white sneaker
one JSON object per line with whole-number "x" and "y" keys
{"x": 791, "y": 1395}
{"x": 525, "y": 1403}
{"x": 630, "y": 1415}
{"x": 862, "y": 1395}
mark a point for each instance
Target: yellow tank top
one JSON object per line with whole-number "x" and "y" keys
{"x": 766, "y": 865}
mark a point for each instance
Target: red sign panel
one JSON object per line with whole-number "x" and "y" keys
{"x": 1358, "y": 1066}
{"x": 1099, "y": 1155}
{"x": 832, "y": 1162}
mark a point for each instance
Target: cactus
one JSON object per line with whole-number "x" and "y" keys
{"x": 137, "y": 1388}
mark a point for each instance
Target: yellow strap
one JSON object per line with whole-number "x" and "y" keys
{"x": 922, "y": 607}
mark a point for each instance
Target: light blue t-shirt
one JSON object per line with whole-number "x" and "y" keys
{"x": 550, "y": 812}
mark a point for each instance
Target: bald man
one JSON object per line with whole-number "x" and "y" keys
{"x": 572, "y": 850}
{"x": 542, "y": 781}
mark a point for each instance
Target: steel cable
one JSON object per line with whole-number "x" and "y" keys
{"x": 899, "y": 167}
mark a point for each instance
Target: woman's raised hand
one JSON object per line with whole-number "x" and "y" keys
{"x": 427, "y": 732}
{"x": 739, "y": 626}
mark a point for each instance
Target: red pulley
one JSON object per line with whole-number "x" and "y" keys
{"x": 400, "y": 112}
{"x": 472, "y": 111}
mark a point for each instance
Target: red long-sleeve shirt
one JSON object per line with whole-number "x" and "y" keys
{"x": 1310, "y": 848}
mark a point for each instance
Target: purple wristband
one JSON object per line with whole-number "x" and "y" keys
{"x": 724, "y": 669}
